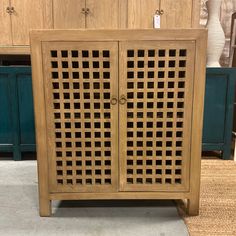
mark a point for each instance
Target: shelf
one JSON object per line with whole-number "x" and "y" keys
{"x": 15, "y": 50}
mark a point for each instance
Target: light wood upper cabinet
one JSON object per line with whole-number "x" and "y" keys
{"x": 5, "y": 24}
{"x": 68, "y": 14}
{"x": 176, "y": 13}
{"x": 89, "y": 14}
{"x": 75, "y": 14}
{"x": 28, "y": 14}
{"x": 141, "y": 12}
{"x": 102, "y": 14}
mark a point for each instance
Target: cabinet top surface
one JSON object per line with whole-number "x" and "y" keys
{"x": 114, "y": 35}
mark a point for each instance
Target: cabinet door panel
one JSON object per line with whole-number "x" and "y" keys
{"x": 28, "y": 14}
{"x": 6, "y": 122}
{"x": 5, "y": 25}
{"x": 82, "y": 125}
{"x": 102, "y": 14}
{"x": 141, "y": 12}
{"x": 177, "y": 14}
{"x": 68, "y": 14}
{"x": 156, "y": 78}
{"x": 214, "y": 109}
{"x": 26, "y": 110}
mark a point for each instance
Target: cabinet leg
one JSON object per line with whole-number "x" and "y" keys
{"x": 45, "y": 208}
{"x": 16, "y": 154}
{"x": 226, "y": 155}
{"x": 193, "y": 207}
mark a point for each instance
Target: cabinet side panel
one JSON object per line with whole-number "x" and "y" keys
{"x": 197, "y": 120}
{"x": 40, "y": 125}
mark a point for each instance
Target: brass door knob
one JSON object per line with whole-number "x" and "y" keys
{"x": 114, "y": 101}
{"x": 85, "y": 11}
{"x": 122, "y": 100}
{"x": 161, "y": 12}
{"x": 8, "y": 10}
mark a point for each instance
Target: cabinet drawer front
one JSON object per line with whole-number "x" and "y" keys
{"x": 82, "y": 124}
{"x": 156, "y": 78}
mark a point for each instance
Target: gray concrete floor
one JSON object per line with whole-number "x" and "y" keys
{"x": 19, "y": 211}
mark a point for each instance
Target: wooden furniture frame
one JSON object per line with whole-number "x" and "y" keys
{"x": 162, "y": 114}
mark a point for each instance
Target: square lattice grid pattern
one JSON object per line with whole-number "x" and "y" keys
{"x": 158, "y": 86}
{"x": 79, "y": 90}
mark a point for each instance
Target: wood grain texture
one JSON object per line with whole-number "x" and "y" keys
{"x": 27, "y": 15}
{"x": 5, "y": 26}
{"x": 197, "y": 123}
{"x": 40, "y": 126}
{"x": 140, "y": 13}
{"x": 48, "y": 14}
{"x": 117, "y": 35}
{"x": 14, "y": 50}
{"x": 119, "y": 195}
{"x": 177, "y": 14}
{"x": 67, "y": 14}
{"x": 103, "y": 14}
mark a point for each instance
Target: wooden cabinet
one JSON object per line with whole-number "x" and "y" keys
{"x": 118, "y": 114}
{"x": 5, "y": 25}
{"x": 178, "y": 14}
{"x": 102, "y": 14}
{"x": 174, "y": 14}
{"x": 74, "y": 14}
{"x": 67, "y": 14}
{"x": 18, "y": 17}
{"x": 27, "y": 14}
{"x": 140, "y": 13}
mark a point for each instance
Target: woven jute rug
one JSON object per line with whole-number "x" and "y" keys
{"x": 217, "y": 200}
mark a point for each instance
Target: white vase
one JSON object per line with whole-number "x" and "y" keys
{"x": 216, "y": 36}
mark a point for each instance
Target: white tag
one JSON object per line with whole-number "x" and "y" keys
{"x": 157, "y": 21}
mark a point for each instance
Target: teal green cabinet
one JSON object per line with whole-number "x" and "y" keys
{"x": 16, "y": 113}
{"x": 6, "y": 123}
{"x": 218, "y": 110}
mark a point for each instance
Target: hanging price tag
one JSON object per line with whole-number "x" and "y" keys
{"x": 157, "y": 21}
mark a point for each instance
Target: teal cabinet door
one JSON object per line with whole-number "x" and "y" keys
{"x": 218, "y": 110}
{"x": 26, "y": 110}
{"x": 215, "y": 109}
{"x": 6, "y": 125}
{"x": 17, "y": 133}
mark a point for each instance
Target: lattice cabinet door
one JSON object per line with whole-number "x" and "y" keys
{"x": 156, "y": 92}
{"x": 82, "y": 115}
